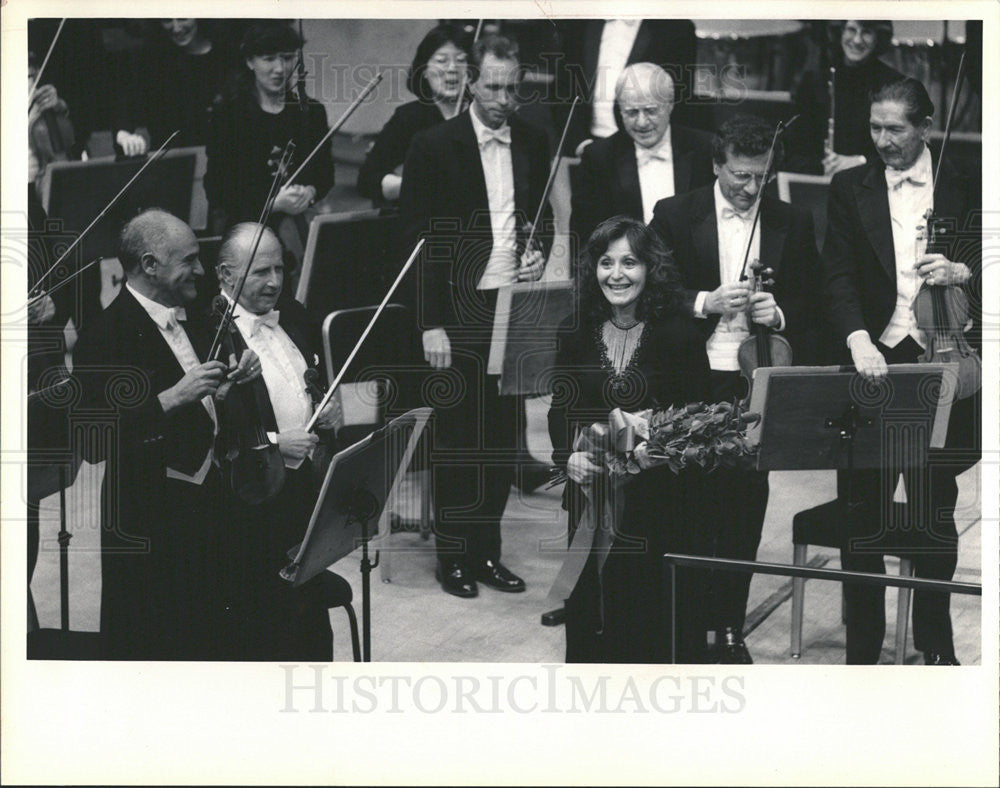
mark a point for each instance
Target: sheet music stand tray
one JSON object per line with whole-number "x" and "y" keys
{"x": 815, "y": 418}
{"x": 358, "y": 482}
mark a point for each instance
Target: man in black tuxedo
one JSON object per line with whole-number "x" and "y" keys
{"x": 597, "y": 50}
{"x": 874, "y": 266}
{"x": 146, "y": 402}
{"x": 708, "y": 229}
{"x": 650, "y": 160}
{"x": 471, "y": 186}
{"x": 269, "y": 620}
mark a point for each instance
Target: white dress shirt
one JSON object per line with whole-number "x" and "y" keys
{"x": 656, "y": 174}
{"x": 617, "y": 40}
{"x": 498, "y": 172}
{"x": 282, "y": 367}
{"x": 911, "y": 195}
{"x": 167, "y": 320}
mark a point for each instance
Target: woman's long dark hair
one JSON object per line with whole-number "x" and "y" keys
{"x": 662, "y": 294}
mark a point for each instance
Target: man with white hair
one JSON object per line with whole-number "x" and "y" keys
{"x": 267, "y": 619}
{"x": 650, "y": 159}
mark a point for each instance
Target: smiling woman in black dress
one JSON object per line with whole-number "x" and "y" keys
{"x": 629, "y": 347}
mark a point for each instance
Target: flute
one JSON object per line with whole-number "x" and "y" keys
{"x": 828, "y": 143}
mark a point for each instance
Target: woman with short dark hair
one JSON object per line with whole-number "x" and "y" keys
{"x": 435, "y": 77}
{"x": 250, "y": 128}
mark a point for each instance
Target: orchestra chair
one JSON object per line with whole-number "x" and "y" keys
{"x": 809, "y": 192}
{"x": 824, "y": 526}
{"x": 349, "y": 261}
{"x": 382, "y": 383}
{"x": 336, "y": 592}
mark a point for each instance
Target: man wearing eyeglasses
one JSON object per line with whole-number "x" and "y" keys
{"x": 708, "y": 230}
{"x": 647, "y": 160}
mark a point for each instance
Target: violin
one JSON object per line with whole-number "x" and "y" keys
{"x": 942, "y": 312}
{"x": 52, "y": 136}
{"x": 763, "y": 348}
{"x": 250, "y": 462}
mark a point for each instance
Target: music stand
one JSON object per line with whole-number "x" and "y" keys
{"x": 821, "y": 418}
{"x": 523, "y": 347}
{"x": 358, "y": 483}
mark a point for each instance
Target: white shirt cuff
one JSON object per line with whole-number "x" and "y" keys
{"x": 853, "y": 335}
{"x": 699, "y": 304}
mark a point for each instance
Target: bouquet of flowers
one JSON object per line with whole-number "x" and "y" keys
{"x": 707, "y": 435}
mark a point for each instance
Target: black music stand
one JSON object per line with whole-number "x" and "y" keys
{"x": 830, "y": 418}
{"x": 358, "y": 483}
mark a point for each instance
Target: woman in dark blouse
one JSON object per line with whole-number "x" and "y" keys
{"x": 856, "y": 46}
{"x": 435, "y": 78}
{"x": 630, "y": 347}
{"x": 249, "y": 130}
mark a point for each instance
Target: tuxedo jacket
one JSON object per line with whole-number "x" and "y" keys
{"x": 296, "y": 322}
{"x": 687, "y": 224}
{"x": 444, "y": 200}
{"x": 161, "y": 538}
{"x": 859, "y": 257}
{"x": 670, "y": 43}
{"x": 608, "y": 177}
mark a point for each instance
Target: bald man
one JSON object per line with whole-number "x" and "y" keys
{"x": 268, "y": 620}
{"x": 648, "y": 160}
{"x": 148, "y": 409}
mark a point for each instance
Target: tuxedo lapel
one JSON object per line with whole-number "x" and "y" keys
{"x": 521, "y": 164}
{"x": 469, "y": 166}
{"x": 150, "y": 350}
{"x": 627, "y": 170}
{"x": 773, "y": 232}
{"x": 873, "y": 207}
{"x": 951, "y": 196}
{"x": 705, "y": 239}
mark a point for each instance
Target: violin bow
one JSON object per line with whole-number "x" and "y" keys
{"x": 364, "y": 335}
{"x": 300, "y": 69}
{"x": 552, "y": 175}
{"x": 265, "y": 215}
{"x": 45, "y": 61}
{"x": 336, "y": 126}
{"x": 104, "y": 212}
{"x": 778, "y": 131}
{"x": 465, "y": 74}
{"x": 951, "y": 117}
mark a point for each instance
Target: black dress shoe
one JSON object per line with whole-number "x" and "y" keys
{"x": 935, "y": 658}
{"x": 731, "y": 650}
{"x": 496, "y": 575}
{"x": 456, "y": 580}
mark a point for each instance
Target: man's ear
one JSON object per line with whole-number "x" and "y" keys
{"x": 147, "y": 264}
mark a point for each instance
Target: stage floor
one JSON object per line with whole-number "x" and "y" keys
{"x": 413, "y": 620}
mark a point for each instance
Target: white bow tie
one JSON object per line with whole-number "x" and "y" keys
{"x": 646, "y": 155}
{"x": 175, "y": 316}
{"x": 916, "y": 176}
{"x": 731, "y": 213}
{"x": 501, "y": 135}
{"x": 269, "y": 319}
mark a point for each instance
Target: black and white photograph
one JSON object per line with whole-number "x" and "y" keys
{"x": 433, "y": 371}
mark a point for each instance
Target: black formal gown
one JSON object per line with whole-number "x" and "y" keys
{"x": 662, "y": 510}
